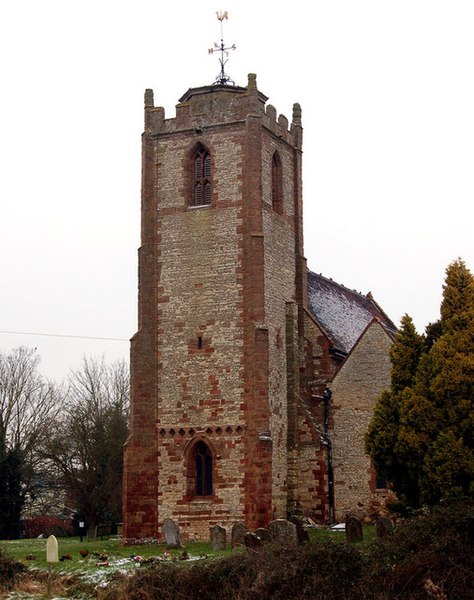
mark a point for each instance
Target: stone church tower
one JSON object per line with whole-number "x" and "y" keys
{"x": 236, "y": 339}
{"x": 221, "y": 281}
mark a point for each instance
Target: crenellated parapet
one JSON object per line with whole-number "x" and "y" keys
{"x": 214, "y": 105}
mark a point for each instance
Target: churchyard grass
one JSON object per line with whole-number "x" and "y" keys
{"x": 32, "y": 553}
{"x": 325, "y": 533}
{"x": 108, "y": 559}
{"x": 117, "y": 553}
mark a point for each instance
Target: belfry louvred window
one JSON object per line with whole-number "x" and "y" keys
{"x": 202, "y": 177}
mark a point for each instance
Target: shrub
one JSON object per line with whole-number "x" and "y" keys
{"x": 431, "y": 554}
{"x": 317, "y": 571}
{"x": 10, "y": 569}
{"x": 46, "y": 525}
{"x": 436, "y": 547}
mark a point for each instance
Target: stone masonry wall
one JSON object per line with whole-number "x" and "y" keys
{"x": 279, "y": 248}
{"x": 208, "y": 361}
{"x": 309, "y": 493}
{"x": 356, "y": 387}
{"x": 200, "y": 333}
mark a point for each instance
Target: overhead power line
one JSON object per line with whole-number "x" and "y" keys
{"x": 62, "y": 335}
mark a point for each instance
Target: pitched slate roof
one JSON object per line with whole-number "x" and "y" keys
{"x": 342, "y": 313}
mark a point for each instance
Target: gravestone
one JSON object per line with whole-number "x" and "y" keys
{"x": 52, "y": 549}
{"x": 218, "y": 538}
{"x": 383, "y": 528}
{"x": 283, "y": 532}
{"x": 51, "y": 557}
{"x": 171, "y": 534}
{"x": 237, "y": 535}
{"x": 263, "y": 534}
{"x": 354, "y": 531}
{"x": 252, "y": 542}
{"x": 301, "y": 532}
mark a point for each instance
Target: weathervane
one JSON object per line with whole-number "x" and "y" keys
{"x": 222, "y": 78}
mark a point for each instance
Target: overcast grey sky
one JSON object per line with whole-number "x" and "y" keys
{"x": 387, "y": 94}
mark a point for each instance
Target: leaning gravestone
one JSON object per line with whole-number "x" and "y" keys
{"x": 354, "y": 531}
{"x": 171, "y": 533}
{"x": 301, "y": 532}
{"x": 237, "y": 535}
{"x": 283, "y": 532}
{"x": 383, "y": 528}
{"x": 252, "y": 542}
{"x": 263, "y": 534}
{"x": 218, "y": 538}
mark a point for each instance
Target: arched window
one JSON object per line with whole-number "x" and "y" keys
{"x": 202, "y": 177}
{"x": 277, "y": 184}
{"x": 201, "y": 470}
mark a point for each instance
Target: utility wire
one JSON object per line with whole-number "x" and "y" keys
{"x": 60, "y": 335}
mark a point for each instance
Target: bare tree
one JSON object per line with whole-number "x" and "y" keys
{"x": 87, "y": 447}
{"x": 28, "y": 403}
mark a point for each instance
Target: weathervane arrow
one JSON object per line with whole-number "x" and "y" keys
{"x": 222, "y": 78}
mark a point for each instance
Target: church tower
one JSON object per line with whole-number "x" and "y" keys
{"x": 214, "y": 362}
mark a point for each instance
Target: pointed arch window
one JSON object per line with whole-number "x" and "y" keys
{"x": 200, "y": 470}
{"x": 277, "y": 184}
{"x": 202, "y": 177}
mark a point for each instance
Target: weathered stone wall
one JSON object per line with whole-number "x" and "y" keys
{"x": 208, "y": 361}
{"x": 309, "y": 485}
{"x": 226, "y": 351}
{"x": 279, "y": 249}
{"x": 356, "y": 387}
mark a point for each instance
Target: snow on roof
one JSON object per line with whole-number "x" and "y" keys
{"x": 342, "y": 313}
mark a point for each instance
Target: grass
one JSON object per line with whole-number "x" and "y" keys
{"x": 78, "y": 576}
{"x": 107, "y": 558}
{"x": 431, "y": 554}
{"x": 115, "y": 551}
{"x": 32, "y": 553}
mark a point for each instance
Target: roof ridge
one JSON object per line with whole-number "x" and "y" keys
{"x": 366, "y": 296}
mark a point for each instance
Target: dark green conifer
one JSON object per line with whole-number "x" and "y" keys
{"x": 427, "y": 447}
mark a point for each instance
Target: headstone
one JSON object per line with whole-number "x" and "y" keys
{"x": 264, "y": 534}
{"x": 354, "y": 531}
{"x": 237, "y": 534}
{"x": 218, "y": 538}
{"x": 171, "y": 534}
{"x": 252, "y": 542}
{"x": 383, "y": 528}
{"x": 283, "y": 532}
{"x": 301, "y": 532}
{"x": 51, "y": 557}
{"x": 52, "y": 550}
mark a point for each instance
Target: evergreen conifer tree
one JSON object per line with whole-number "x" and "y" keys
{"x": 421, "y": 435}
{"x": 383, "y": 433}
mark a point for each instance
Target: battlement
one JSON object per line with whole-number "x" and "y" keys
{"x": 217, "y": 105}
